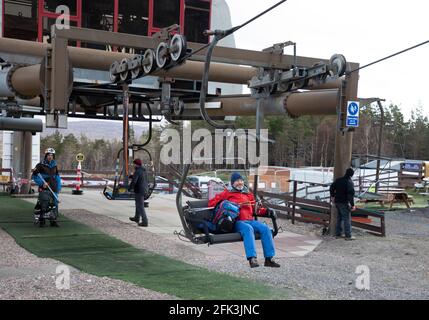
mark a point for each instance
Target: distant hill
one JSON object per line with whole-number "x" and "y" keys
{"x": 108, "y": 130}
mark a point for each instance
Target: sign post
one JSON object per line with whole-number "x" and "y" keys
{"x": 79, "y": 158}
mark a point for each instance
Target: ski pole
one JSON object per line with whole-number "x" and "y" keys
{"x": 53, "y": 193}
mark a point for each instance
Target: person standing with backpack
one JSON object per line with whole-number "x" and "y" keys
{"x": 139, "y": 184}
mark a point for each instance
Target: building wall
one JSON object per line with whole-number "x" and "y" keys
{"x": 1, "y": 149}
{"x": 221, "y": 19}
{"x": 8, "y": 149}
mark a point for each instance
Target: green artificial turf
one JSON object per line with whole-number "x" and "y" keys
{"x": 97, "y": 253}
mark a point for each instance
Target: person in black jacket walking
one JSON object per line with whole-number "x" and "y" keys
{"x": 343, "y": 191}
{"x": 140, "y": 185}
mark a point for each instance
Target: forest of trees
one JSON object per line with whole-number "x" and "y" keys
{"x": 305, "y": 141}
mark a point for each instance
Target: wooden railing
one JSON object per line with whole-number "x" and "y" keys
{"x": 317, "y": 212}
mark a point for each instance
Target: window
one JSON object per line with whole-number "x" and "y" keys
{"x": 51, "y": 5}
{"x": 47, "y": 26}
{"x": 20, "y": 19}
{"x": 197, "y": 20}
{"x": 133, "y": 19}
{"x": 47, "y": 16}
{"x": 166, "y": 13}
{"x": 98, "y": 14}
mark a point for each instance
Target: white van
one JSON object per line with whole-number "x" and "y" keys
{"x": 202, "y": 182}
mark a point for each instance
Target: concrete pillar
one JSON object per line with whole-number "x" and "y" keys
{"x": 17, "y": 153}
{"x": 22, "y": 158}
{"x": 27, "y": 157}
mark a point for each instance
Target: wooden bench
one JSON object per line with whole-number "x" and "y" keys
{"x": 400, "y": 197}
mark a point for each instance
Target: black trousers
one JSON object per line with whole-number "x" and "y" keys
{"x": 140, "y": 211}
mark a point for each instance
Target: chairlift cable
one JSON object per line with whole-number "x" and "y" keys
{"x": 234, "y": 29}
{"x": 388, "y": 57}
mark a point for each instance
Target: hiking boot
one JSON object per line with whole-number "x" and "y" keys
{"x": 253, "y": 262}
{"x": 54, "y": 224}
{"x": 350, "y": 238}
{"x": 134, "y": 219}
{"x": 269, "y": 262}
{"x": 142, "y": 224}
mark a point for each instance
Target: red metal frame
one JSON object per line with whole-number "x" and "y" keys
{"x": 2, "y": 18}
{"x": 152, "y": 29}
{"x": 116, "y": 16}
{"x": 78, "y": 17}
{"x": 42, "y": 13}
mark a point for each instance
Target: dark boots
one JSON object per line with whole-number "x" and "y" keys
{"x": 140, "y": 224}
{"x": 54, "y": 223}
{"x": 269, "y": 262}
{"x": 253, "y": 262}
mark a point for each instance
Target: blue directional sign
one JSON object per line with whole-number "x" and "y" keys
{"x": 352, "y": 122}
{"x": 353, "y": 109}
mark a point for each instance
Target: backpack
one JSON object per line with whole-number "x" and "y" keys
{"x": 224, "y": 216}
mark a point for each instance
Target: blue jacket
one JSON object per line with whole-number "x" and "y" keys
{"x": 49, "y": 172}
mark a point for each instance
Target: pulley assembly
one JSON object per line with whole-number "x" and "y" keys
{"x": 269, "y": 81}
{"x": 167, "y": 55}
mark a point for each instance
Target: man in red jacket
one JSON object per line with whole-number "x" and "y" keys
{"x": 246, "y": 224}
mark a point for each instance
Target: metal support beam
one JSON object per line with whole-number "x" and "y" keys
{"x": 22, "y": 124}
{"x": 125, "y": 133}
{"x": 344, "y": 136}
{"x": 27, "y": 149}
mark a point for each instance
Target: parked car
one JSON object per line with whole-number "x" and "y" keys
{"x": 163, "y": 185}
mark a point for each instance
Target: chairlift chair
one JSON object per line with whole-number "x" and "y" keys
{"x": 119, "y": 191}
{"x": 197, "y": 213}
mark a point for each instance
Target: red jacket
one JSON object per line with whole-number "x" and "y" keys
{"x": 246, "y": 200}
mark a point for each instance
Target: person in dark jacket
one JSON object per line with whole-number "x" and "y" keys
{"x": 343, "y": 192}
{"x": 246, "y": 224}
{"x": 49, "y": 177}
{"x": 140, "y": 186}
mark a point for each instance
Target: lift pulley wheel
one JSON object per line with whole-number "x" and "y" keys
{"x": 162, "y": 56}
{"x": 148, "y": 61}
{"x": 178, "y": 107}
{"x": 177, "y": 47}
{"x": 113, "y": 72}
{"x": 137, "y": 68}
{"x": 338, "y": 65}
{"x": 124, "y": 73}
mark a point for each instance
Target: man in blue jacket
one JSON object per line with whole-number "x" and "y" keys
{"x": 49, "y": 172}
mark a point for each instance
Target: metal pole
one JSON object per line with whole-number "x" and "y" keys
{"x": 259, "y": 120}
{"x": 343, "y": 139}
{"x": 125, "y": 104}
{"x": 377, "y": 174}
{"x": 27, "y": 150}
{"x": 295, "y": 187}
{"x": 52, "y": 192}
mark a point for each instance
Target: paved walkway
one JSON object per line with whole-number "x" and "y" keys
{"x": 164, "y": 220}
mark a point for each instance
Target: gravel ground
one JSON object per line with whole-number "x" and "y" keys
{"x": 24, "y": 276}
{"x": 398, "y": 264}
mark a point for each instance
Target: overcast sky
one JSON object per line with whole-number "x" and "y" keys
{"x": 363, "y": 31}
